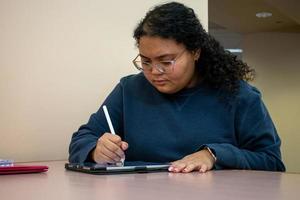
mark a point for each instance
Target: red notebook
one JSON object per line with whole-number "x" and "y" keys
{"x": 23, "y": 169}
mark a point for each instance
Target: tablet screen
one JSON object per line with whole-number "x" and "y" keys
{"x": 133, "y": 167}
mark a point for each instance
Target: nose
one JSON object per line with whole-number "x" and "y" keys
{"x": 155, "y": 70}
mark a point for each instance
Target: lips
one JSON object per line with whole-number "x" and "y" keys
{"x": 160, "y": 82}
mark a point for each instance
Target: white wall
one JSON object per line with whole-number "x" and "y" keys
{"x": 275, "y": 56}
{"x": 58, "y": 61}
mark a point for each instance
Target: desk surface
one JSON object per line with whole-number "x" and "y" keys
{"x": 58, "y": 183}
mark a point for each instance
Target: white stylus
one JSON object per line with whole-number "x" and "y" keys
{"x": 112, "y": 130}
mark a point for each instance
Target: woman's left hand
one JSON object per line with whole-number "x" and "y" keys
{"x": 201, "y": 161}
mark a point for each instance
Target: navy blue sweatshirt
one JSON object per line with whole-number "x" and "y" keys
{"x": 163, "y": 128}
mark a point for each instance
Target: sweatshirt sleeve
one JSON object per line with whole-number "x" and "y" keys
{"x": 85, "y": 139}
{"x": 258, "y": 144}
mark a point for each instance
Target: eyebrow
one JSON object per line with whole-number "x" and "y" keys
{"x": 160, "y": 56}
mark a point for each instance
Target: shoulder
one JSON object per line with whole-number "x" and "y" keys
{"x": 133, "y": 79}
{"x": 248, "y": 94}
{"x": 136, "y": 83}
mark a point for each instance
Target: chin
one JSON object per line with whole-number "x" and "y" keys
{"x": 166, "y": 90}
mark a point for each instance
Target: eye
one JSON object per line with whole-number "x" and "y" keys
{"x": 166, "y": 63}
{"x": 145, "y": 62}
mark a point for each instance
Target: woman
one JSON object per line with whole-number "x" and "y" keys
{"x": 191, "y": 105}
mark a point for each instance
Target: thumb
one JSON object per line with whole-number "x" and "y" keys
{"x": 124, "y": 146}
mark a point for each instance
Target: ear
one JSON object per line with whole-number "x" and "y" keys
{"x": 197, "y": 54}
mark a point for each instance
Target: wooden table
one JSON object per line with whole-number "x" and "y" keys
{"x": 58, "y": 183}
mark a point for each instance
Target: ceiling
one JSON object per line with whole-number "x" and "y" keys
{"x": 239, "y": 15}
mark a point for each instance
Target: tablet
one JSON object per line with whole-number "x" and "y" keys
{"x": 129, "y": 167}
{"x": 22, "y": 169}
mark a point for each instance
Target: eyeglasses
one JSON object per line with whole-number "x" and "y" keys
{"x": 164, "y": 66}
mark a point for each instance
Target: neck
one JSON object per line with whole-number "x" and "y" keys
{"x": 195, "y": 80}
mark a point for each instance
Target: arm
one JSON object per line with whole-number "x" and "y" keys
{"x": 85, "y": 139}
{"x": 257, "y": 145}
{"x": 258, "y": 142}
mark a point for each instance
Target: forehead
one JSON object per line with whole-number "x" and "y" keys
{"x": 152, "y": 46}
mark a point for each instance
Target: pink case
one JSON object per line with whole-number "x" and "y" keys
{"x": 23, "y": 169}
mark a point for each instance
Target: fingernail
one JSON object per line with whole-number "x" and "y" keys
{"x": 171, "y": 168}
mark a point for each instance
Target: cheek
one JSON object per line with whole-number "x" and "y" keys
{"x": 148, "y": 76}
{"x": 183, "y": 73}
{"x": 175, "y": 77}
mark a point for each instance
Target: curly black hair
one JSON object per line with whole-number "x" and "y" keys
{"x": 217, "y": 67}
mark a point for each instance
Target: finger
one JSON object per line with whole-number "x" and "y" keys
{"x": 203, "y": 168}
{"x": 101, "y": 158}
{"x": 102, "y": 153}
{"x": 107, "y": 159}
{"x": 189, "y": 168}
{"x": 124, "y": 146}
{"x": 177, "y": 167}
{"x": 114, "y": 143}
{"x": 113, "y": 155}
{"x": 110, "y": 137}
{"x": 114, "y": 138}
{"x": 115, "y": 148}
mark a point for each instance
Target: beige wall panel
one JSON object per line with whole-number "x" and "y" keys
{"x": 275, "y": 56}
{"x": 59, "y": 59}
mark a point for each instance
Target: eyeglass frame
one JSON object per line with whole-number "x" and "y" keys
{"x": 157, "y": 66}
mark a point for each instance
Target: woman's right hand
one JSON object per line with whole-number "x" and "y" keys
{"x": 109, "y": 149}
